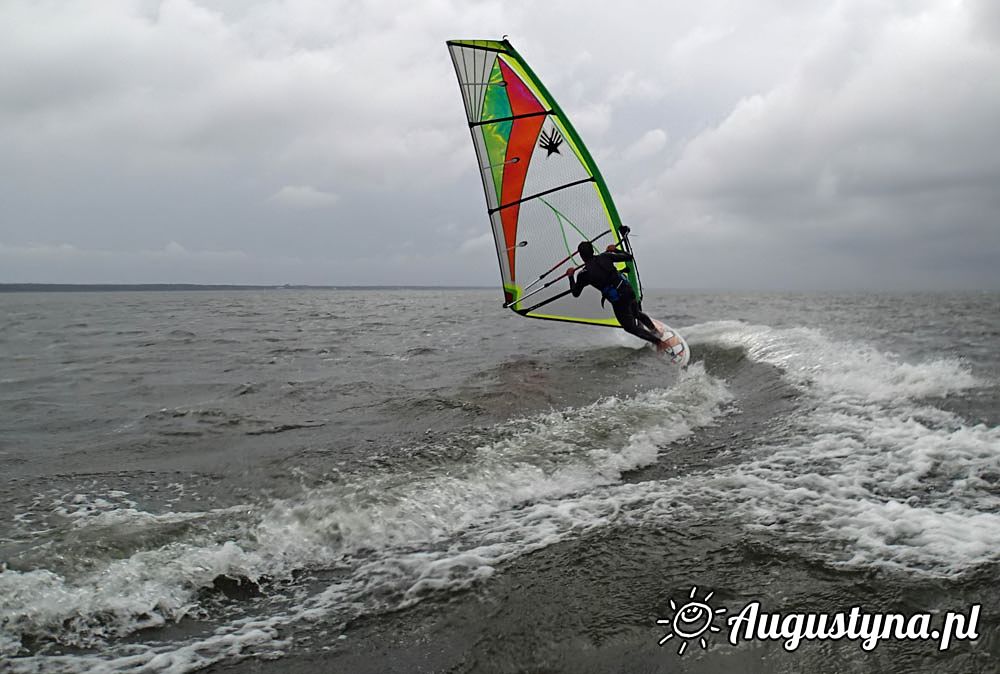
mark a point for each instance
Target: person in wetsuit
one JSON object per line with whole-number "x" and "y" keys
{"x": 601, "y": 273}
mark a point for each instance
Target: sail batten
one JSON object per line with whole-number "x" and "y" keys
{"x": 541, "y": 194}
{"x": 510, "y": 118}
{"x": 544, "y": 193}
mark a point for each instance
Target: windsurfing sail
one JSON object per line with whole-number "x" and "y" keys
{"x": 544, "y": 193}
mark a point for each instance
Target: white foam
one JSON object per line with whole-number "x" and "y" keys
{"x": 147, "y": 589}
{"x": 547, "y": 456}
{"x": 398, "y": 535}
{"x": 841, "y": 369}
{"x": 869, "y": 474}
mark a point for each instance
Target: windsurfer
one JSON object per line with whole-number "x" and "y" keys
{"x": 600, "y": 272}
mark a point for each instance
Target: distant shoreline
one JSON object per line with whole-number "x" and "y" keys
{"x": 160, "y": 287}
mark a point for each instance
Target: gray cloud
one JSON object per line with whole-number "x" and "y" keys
{"x": 877, "y": 154}
{"x": 806, "y": 144}
{"x": 304, "y": 196}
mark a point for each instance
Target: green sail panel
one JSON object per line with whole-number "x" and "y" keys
{"x": 544, "y": 193}
{"x": 496, "y": 105}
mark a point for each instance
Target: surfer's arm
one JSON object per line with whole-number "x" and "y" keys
{"x": 618, "y": 256}
{"x": 578, "y": 283}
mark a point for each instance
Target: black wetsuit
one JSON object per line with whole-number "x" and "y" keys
{"x": 601, "y": 273}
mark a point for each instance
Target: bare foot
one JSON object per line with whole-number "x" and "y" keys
{"x": 662, "y": 346}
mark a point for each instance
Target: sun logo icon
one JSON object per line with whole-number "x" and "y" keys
{"x": 691, "y": 621}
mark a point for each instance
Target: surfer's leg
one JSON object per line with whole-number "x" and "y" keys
{"x": 625, "y": 313}
{"x": 646, "y": 320}
{"x": 641, "y": 315}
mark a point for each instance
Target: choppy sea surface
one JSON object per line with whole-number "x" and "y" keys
{"x": 419, "y": 480}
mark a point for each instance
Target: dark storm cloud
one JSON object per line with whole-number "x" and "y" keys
{"x": 778, "y": 145}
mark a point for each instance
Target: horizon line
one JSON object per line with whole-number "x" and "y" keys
{"x": 166, "y": 287}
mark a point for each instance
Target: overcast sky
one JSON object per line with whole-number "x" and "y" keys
{"x": 770, "y": 144}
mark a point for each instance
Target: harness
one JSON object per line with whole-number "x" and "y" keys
{"x": 613, "y": 292}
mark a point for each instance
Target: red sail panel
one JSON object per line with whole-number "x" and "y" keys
{"x": 520, "y": 145}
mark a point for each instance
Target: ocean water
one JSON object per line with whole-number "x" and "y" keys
{"x": 419, "y": 480}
